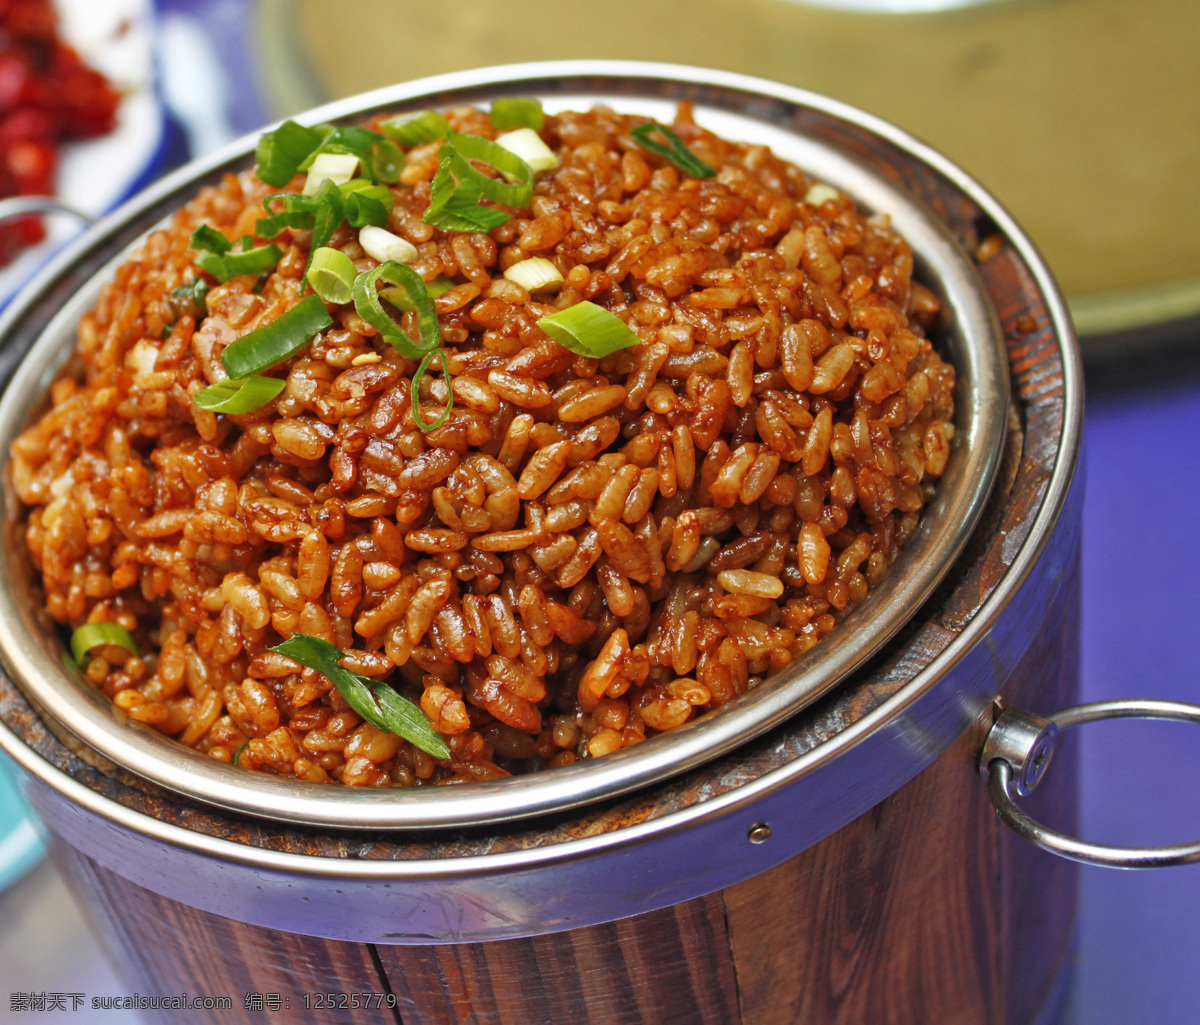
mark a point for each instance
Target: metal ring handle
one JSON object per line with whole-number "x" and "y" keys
{"x": 1003, "y": 772}
{"x": 20, "y": 206}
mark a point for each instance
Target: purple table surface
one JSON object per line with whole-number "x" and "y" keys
{"x": 1138, "y": 956}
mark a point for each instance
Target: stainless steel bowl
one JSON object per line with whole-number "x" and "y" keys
{"x": 817, "y": 134}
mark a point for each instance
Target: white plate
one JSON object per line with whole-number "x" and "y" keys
{"x": 115, "y": 38}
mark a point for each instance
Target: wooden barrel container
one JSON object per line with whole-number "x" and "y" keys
{"x": 843, "y": 866}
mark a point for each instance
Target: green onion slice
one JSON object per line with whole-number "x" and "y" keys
{"x": 331, "y": 274}
{"x": 255, "y": 260}
{"x": 292, "y": 148}
{"x": 340, "y": 139}
{"x": 206, "y": 238}
{"x": 458, "y": 186}
{"x": 398, "y": 295}
{"x": 476, "y": 147}
{"x": 239, "y": 396}
{"x": 676, "y": 152}
{"x": 517, "y": 112}
{"x": 528, "y": 145}
{"x": 455, "y": 206}
{"x": 422, "y": 369}
{"x": 374, "y": 700}
{"x": 92, "y": 635}
{"x": 536, "y": 274}
{"x": 384, "y": 161}
{"x": 191, "y": 297}
{"x": 212, "y": 264}
{"x": 338, "y": 168}
{"x": 410, "y": 130}
{"x": 370, "y": 308}
{"x": 329, "y": 213}
{"x": 223, "y": 260}
{"x": 272, "y": 343}
{"x": 589, "y": 330}
{"x": 365, "y": 203}
{"x": 381, "y": 158}
{"x": 298, "y": 213}
{"x": 438, "y": 286}
{"x": 238, "y": 753}
{"x": 280, "y": 153}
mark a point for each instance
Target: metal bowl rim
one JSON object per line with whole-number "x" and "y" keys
{"x": 485, "y": 78}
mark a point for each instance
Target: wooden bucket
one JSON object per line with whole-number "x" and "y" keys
{"x": 844, "y": 867}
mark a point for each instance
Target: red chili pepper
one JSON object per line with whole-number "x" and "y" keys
{"x": 47, "y": 96}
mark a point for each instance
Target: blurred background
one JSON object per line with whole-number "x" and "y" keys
{"x": 1081, "y": 116}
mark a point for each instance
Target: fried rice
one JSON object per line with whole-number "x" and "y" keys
{"x": 585, "y": 553}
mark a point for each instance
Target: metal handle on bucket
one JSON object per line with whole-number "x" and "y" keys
{"x": 1015, "y": 756}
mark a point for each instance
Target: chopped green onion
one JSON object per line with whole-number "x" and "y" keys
{"x": 341, "y": 139}
{"x": 238, "y": 753}
{"x": 272, "y": 343}
{"x": 328, "y": 214}
{"x": 331, "y": 274}
{"x": 528, "y": 145}
{"x": 239, "y": 395}
{"x": 422, "y": 368}
{"x": 208, "y": 239}
{"x": 382, "y": 245}
{"x": 457, "y": 187}
{"x": 370, "y": 308}
{"x": 374, "y": 700}
{"x": 411, "y": 130}
{"x": 190, "y": 298}
{"x": 438, "y": 286}
{"x": 517, "y": 112}
{"x": 365, "y": 203}
{"x": 384, "y": 161}
{"x": 398, "y": 295}
{"x": 240, "y": 261}
{"x": 92, "y": 635}
{"x": 475, "y": 147}
{"x": 223, "y": 261}
{"x": 281, "y": 152}
{"x": 235, "y": 264}
{"x": 456, "y": 207}
{"x": 676, "y": 152}
{"x": 336, "y": 139}
{"x": 358, "y": 201}
{"x": 537, "y": 274}
{"x": 323, "y": 151}
{"x": 298, "y": 213}
{"x": 212, "y": 264}
{"x": 589, "y": 330}
{"x": 338, "y": 168}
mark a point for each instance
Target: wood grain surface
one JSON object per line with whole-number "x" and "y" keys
{"x": 670, "y": 967}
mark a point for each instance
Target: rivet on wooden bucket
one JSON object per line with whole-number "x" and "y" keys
{"x": 760, "y": 832}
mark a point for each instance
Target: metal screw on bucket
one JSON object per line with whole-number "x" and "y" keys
{"x": 1024, "y": 741}
{"x": 760, "y": 832}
